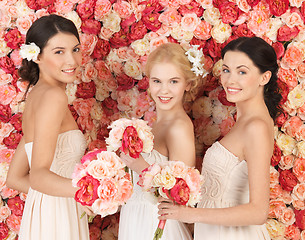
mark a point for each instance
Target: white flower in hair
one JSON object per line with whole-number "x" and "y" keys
{"x": 29, "y": 51}
{"x": 195, "y": 56}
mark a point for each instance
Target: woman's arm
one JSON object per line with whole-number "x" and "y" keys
{"x": 180, "y": 143}
{"x": 49, "y": 115}
{"x": 18, "y": 173}
{"x": 258, "y": 149}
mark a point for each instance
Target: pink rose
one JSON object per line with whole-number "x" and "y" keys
{"x": 7, "y": 94}
{"x": 101, "y": 50}
{"x": 286, "y": 162}
{"x": 123, "y": 8}
{"x": 299, "y": 191}
{"x": 193, "y": 180}
{"x": 6, "y": 155}
{"x": 279, "y": 49}
{"x": 13, "y": 222}
{"x": 64, "y": 6}
{"x": 16, "y": 121}
{"x": 3, "y": 231}
{"x": 191, "y": 7}
{"x": 151, "y": 21}
{"x": 98, "y": 169}
{"x": 170, "y": 17}
{"x": 278, "y": 7}
{"x": 119, "y": 39}
{"x": 5, "y": 113}
{"x": 180, "y": 193}
{"x": 203, "y": 30}
{"x": 137, "y": 31}
{"x": 242, "y": 30}
{"x": 287, "y": 180}
{"x": 12, "y": 140}
{"x": 90, "y": 156}
{"x": 4, "y": 213}
{"x": 286, "y": 34}
{"x": 88, "y": 42}
{"x": 229, "y": 12}
{"x": 86, "y": 90}
{"x": 16, "y": 205}
{"x": 87, "y": 193}
{"x": 83, "y": 106}
{"x": 14, "y": 38}
{"x": 189, "y": 22}
{"x": 102, "y": 8}
{"x": 91, "y": 26}
{"x": 107, "y": 191}
{"x": 7, "y": 65}
{"x": 124, "y": 82}
{"x": 85, "y": 9}
{"x": 23, "y": 24}
{"x": 131, "y": 142}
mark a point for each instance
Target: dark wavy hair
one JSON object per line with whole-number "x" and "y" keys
{"x": 39, "y": 33}
{"x": 264, "y": 57}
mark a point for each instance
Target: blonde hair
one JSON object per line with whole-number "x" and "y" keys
{"x": 175, "y": 54}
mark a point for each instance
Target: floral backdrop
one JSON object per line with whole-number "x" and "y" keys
{"x": 116, "y": 37}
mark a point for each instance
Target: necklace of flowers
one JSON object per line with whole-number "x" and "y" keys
{"x": 29, "y": 51}
{"x": 195, "y": 56}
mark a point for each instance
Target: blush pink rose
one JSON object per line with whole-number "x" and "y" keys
{"x": 299, "y": 191}
{"x": 4, "y": 213}
{"x": 123, "y": 8}
{"x": 7, "y": 94}
{"x": 98, "y": 169}
{"x": 189, "y": 22}
{"x": 83, "y": 106}
{"x": 258, "y": 22}
{"x": 88, "y": 42}
{"x": 286, "y": 162}
{"x": 23, "y": 24}
{"x": 275, "y": 191}
{"x": 203, "y": 30}
{"x": 292, "y": 125}
{"x": 276, "y": 208}
{"x": 170, "y": 17}
{"x": 300, "y": 70}
{"x": 6, "y": 155}
{"x": 287, "y": 217}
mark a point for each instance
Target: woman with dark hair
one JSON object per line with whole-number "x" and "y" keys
{"x": 52, "y": 143}
{"x": 235, "y": 194}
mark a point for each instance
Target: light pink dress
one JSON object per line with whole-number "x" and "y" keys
{"x": 226, "y": 185}
{"x": 56, "y": 218}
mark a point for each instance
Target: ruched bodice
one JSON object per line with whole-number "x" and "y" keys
{"x": 70, "y": 147}
{"x": 226, "y": 185}
{"x": 50, "y": 217}
{"x": 226, "y": 179}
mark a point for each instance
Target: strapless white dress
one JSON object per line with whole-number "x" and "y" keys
{"x": 226, "y": 185}
{"x": 139, "y": 216}
{"x": 47, "y": 217}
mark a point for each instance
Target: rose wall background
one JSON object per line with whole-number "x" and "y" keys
{"x": 117, "y": 36}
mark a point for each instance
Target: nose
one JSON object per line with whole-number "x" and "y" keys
{"x": 164, "y": 88}
{"x": 72, "y": 59}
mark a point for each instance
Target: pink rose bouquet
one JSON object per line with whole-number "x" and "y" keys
{"x": 104, "y": 184}
{"x": 131, "y": 136}
{"x": 172, "y": 180}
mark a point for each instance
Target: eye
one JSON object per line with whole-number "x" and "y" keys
{"x": 242, "y": 72}
{"x": 174, "y": 81}
{"x": 156, "y": 81}
{"x": 76, "y": 49}
{"x": 225, "y": 70}
{"x": 59, "y": 52}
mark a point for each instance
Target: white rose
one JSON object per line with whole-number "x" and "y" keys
{"x": 296, "y": 97}
{"x": 133, "y": 69}
{"x": 286, "y": 143}
{"x": 70, "y": 91}
{"x": 112, "y": 21}
{"x": 221, "y": 32}
{"x": 140, "y": 47}
{"x": 212, "y": 15}
{"x": 274, "y": 25}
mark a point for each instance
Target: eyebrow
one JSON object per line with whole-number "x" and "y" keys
{"x": 240, "y": 66}
{"x": 64, "y": 47}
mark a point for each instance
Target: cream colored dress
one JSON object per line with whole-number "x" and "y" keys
{"x": 139, "y": 216}
{"x": 47, "y": 217}
{"x": 226, "y": 185}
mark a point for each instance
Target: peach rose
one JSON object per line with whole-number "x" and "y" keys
{"x": 292, "y": 232}
{"x": 300, "y": 71}
{"x": 297, "y": 203}
{"x": 111, "y": 160}
{"x": 170, "y": 17}
{"x": 288, "y": 76}
{"x": 154, "y": 43}
{"x": 23, "y": 24}
{"x": 299, "y": 169}
{"x": 276, "y": 207}
{"x": 274, "y": 176}
{"x": 301, "y": 112}
{"x": 292, "y": 125}
{"x": 125, "y": 189}
{"x": 8, "y": 193}
{"x": 123, "y": 8}
{"x": 189, "y": 22}
{"x": 4, "y": 213}
{"x": 286, "y": 162}
{"x": 292, "y": 19}
{"x": 300, "y": 134}
{"x": 203, "y": 30}
{"x": 287, "y": 217}
{"x": 258, "y": 22}
{"x": 13, "y": 222}
{"x": 292, "y": 58}
{"x": 299, "y": 191}
{"x": 108, "y": 189}
{"x": 7, "y": 94}
{"x": 275, "y": 191}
